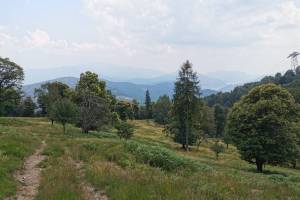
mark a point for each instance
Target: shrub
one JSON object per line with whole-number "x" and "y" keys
{"x": 218, "y": 148}
{"x": 161, "y": 157}
{"x": 125, "y": 130}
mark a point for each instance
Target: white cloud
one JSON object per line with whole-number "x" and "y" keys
{"x": 193, "y": 22}
{"x": 41, "y": 39}
{"x": 215, "y": 34}
{"x": 5, "y": 37}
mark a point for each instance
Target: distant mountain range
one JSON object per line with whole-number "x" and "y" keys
{"x": 218, "y": 80}
{"x": 123, "y": 81}
{"x": 123, "y": 90}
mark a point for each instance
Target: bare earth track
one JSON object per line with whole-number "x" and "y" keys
{"x": 29, "y": 176}
{"x": 90, "y": 193}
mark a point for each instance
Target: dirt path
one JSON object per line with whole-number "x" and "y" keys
{"x": 90, "y": 193}
{"x": 29, "y": 176}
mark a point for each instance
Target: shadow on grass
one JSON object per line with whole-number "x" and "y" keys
{"x": 266, "y": 172}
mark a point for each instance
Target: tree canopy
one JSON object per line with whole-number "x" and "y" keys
{"x": 184, "y": 111}
{"x": 64, "y": 111}
{"x": 161, "y": 110}
{"x": 11, "y": 78}
{"x": 262, "y": 126}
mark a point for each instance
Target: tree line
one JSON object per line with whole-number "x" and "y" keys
{"x": 262, "y": 122}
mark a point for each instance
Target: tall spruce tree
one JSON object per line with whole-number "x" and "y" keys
{"x": 185, "y": 102}
{"x": 148, "y": 105}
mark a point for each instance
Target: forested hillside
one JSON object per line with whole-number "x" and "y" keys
{"x": 290, "y": 80}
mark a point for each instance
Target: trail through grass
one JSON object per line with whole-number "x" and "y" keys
{"x": 150, "y": 166}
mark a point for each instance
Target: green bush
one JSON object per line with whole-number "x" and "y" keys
{"x": 125, "y": 130}
{"x": 162, "y": 158}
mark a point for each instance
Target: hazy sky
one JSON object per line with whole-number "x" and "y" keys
{"x": 253, "y": 36}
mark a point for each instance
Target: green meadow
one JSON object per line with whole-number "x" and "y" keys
{"x": 148, "y": 166}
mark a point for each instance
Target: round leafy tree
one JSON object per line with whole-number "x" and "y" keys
{"x": 261, "y": 126}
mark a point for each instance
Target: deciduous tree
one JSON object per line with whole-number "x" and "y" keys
{"x": 261, "y": 126}
{"x": 64, "y": 111}
{"x": 11, "y": 78}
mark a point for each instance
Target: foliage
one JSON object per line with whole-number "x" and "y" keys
{"x": 184, "y": 110}
{"x": 135, "y": 109}
{"x": 218, "y": 148}
{"x": 148, "y": 105}
{"x": 94, "y": 112}
{"x": 220, "y": 120}
{"x": 49, "y": 93}
{"x": 206, "y": 119}
{"x": 261, "y": 125}
{"x": 94, "y": 102}
{"x": 28, "y": 107}
{"x": 115, "y": 118}
{"x": 160, "y": 157}
{"x": 64, "y": 111}
{"x": 125, "y": 110}
{"x": 125, "y": 130}
{"x": 11, "y": 78}
{"x": 289, "y": 80}
{"x": 90, "y": 81}
{"x": 162, "y": 109}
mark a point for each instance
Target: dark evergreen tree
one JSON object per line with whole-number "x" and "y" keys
{"x": 220, "y": 120}
{"x": 184, "y": 111}
{"x": 148, "y": 105}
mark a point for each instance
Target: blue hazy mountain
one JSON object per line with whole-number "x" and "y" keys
{"x": 123, "y": 90}
{"x": 141, "y": 76}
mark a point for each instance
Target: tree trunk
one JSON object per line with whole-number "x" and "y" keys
{"x": 294, "y": 163}
{"x": 183, "y": 146}
{"x": 64, "y": 127}
{"x": 227, "y": 146}
{"x": 52, "y": 122}
{"x": 259, "y": 166}
{"x": 187, "y": 136}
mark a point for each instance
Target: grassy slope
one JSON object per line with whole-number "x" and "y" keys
{"x": 124, "y": 174}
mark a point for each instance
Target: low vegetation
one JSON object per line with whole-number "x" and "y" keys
{"x": 149, "y": 166}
